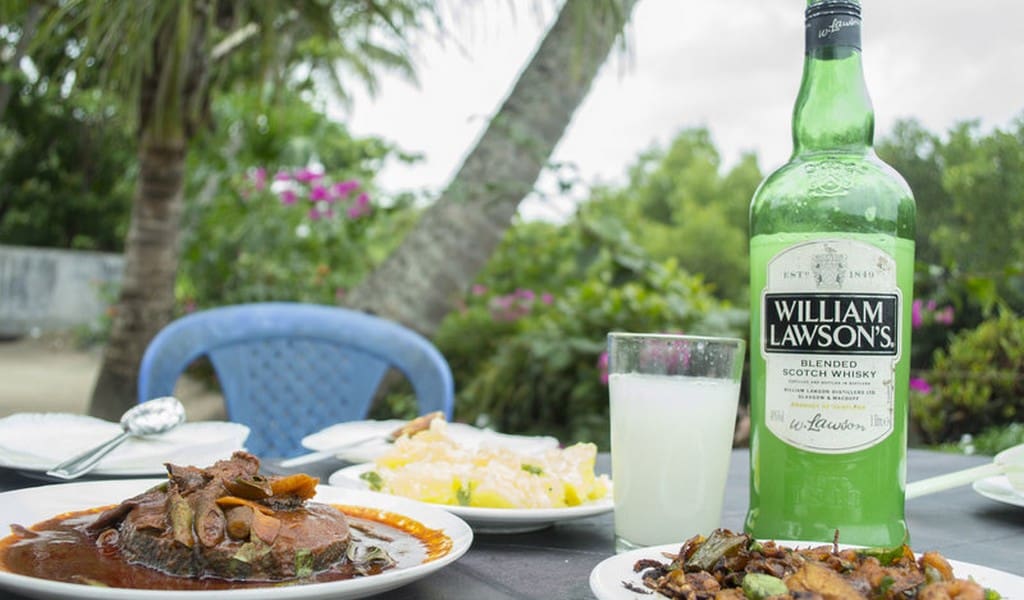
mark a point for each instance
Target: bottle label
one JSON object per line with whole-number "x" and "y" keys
{"x": 830, "y": 323}
{"x": 832, "y": 23}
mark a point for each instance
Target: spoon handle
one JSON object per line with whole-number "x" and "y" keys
{"x": 84, "y": 462}
{"x": 319, "y": 455}
{"x": 411, "y": 428}
{"x": 952, "y": 480}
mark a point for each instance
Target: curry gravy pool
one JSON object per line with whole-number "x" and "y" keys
{"x": 64, "y": 549}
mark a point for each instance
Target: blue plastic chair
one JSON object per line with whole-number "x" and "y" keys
{"x": 287, "y": 370}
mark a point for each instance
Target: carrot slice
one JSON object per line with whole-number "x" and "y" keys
{"x": 226, "y": 501}
{"x": 299, "y": 484}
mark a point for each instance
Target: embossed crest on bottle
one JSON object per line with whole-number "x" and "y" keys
{"x": 830, "y": 177}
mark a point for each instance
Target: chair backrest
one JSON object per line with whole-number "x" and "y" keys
{"x": 288, "y": 369}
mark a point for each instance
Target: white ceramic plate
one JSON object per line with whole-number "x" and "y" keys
{"x": 32, "y": 505}
{"x": 36, "y": 442}
{"x": 372, "y": 436}
{"x": 607, "y": 577}
{"x": 489, "y": 520}
{"x": 999, "y": 489}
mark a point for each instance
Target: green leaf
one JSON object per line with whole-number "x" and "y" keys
{"x": 250, "y": 551}
{"x": 533, "y": 469}
{"x": 463, "y": 496}
{"x": 374, "y": 479}
{"x": 885, "y": 555}
{"x": 303, "y": 562}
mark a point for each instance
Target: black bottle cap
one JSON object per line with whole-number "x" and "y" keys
{"x": 832, "y": 23}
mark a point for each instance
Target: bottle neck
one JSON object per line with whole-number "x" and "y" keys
{"x": 833, "y": 110}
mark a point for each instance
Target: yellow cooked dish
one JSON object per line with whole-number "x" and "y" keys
{"x": 432, "y": 467}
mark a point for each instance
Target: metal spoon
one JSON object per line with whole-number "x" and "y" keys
{"x": 153, "y": 416}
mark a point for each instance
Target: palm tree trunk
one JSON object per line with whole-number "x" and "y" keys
{"x": 28, "y": 31}
{"x": 146, "y": 301}
{"x": 169, "y": 93}
{"x": 418, "y": 284}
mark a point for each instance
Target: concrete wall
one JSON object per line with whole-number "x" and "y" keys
{"x": 45, "y": 290}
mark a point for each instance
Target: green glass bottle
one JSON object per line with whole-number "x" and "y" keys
{"x": 832, "y": 262}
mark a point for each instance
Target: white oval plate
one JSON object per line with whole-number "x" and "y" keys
{"x": 37, "y": 442}
{"x": 489, "y": 520}
{"x": 32, "y": 505}
{"x": 368, "y": 439}
{"x": 999, "y": 489}
{"x": 608, "y": 576}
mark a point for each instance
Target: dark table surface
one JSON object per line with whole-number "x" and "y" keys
{"x": 555, "y": 563}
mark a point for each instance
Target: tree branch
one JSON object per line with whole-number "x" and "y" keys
{"x": 35, "y": 13}
{"x": 233, "y": 41}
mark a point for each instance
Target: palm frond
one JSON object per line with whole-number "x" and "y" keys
{"x": 162, "y": 55}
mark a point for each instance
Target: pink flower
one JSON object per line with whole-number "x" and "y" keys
{"x": 319, "y": 193}
{"x": 547, "y": 298}
{"x": 918, "y": 384}
{"x": 344, "y": 188}
{"x": 283, "y": 176}
{"x": 679, "y": 357}
{"x": 288, "y": 197}
{"x": 916, "y": 319}
{"x": 602, "y": 367}
{"x": 478, "y": 289}
{"x": 527, "y": 295}
{"x": 506, "y": 308}
{"x": 945, "y": 316}
{"x": 307, "y": 175}
{"x": 670, "y": 355}
{"x": 360, "y": 208}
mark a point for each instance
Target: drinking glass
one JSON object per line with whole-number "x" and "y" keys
{"x": 673, "y": 412}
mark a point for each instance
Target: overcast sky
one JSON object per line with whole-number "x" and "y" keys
{"x": 730, "y": 65}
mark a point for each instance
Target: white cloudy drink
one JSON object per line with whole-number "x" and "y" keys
{"x": 671, "y": 438}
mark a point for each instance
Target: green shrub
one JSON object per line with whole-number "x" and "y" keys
{"x": 964, "y": 299}
{"x": 990, "y": 442}
{"x": 67, "y": 167}
{"x": 245, "y": 238}
{"x": 545, "y": 376}
{"x": 976, "y": 383}
{"x": 305, "y": 236}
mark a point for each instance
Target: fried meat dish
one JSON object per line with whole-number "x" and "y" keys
{"x": 731, "y": 566}
{"x": 228, "y": 521}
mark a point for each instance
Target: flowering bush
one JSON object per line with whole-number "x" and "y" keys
{"x": 518, "y": 304}
{"x": 484, "y": 321}
{"x": 602, "y": 367}
{"x": 976, "y": 383}
{"x": 300, "y": 235}
{"x": 669, "y": 357}
{"x": 324, "y": 199}
{"x": 932, "y": 328}
{"x": 920, "y": 385}
{"x": 545, "y": 371}
{"x": 926, "y": 313}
